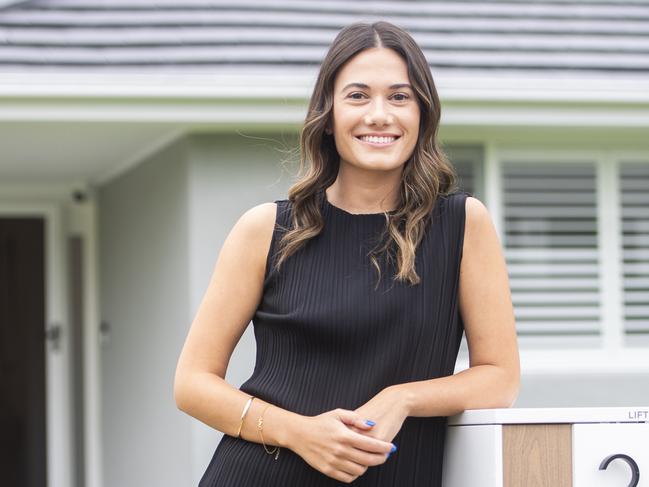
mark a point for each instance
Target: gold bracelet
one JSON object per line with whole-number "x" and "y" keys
{"x": 260, "y": 427}
{"x": 243, "y": 415}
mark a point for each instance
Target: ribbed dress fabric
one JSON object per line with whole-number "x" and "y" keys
{"x": 327, "y": 339}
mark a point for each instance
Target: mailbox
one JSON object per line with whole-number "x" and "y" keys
{"x": 548, "y": 447}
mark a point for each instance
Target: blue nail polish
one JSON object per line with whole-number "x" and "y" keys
{"x": 394, "y": 448}
{"x": 371, "y": 423}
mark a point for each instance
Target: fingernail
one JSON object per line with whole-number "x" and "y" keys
{"x": 394, "y": 448}
{"x": 371, "y": 423}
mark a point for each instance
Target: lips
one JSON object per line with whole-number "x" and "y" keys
{"x": 378, "y": 140}
{"x": 379, "y": 134}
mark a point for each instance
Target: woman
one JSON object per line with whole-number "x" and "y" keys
{"x": 359, "y": 286}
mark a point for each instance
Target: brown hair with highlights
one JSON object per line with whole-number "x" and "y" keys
{"x": 427, "y": 174}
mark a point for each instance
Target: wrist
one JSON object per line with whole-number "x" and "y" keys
{"x": 287, "y": 427}
{"x": 403, "y": 398}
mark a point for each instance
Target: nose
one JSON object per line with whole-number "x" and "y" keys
{"x": 377, "y": 113}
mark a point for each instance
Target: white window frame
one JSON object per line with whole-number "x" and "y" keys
{"x": 609, "y": 355}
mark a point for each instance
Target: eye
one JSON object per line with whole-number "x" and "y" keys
{"x": 351, "y": 95}
{"x": 405, "y": 97}
{"x": 357, "y": 95}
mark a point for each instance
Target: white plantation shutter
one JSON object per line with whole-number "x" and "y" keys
{"x": 634, "y": 200}
{"x": 551, "y": 246}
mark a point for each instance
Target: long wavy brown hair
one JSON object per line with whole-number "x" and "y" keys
{"x": 426, "y": 175}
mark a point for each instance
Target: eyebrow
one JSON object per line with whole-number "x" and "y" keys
{"x": 364, "y": 86}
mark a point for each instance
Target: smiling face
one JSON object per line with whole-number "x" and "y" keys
{"x": 375, "y": 112}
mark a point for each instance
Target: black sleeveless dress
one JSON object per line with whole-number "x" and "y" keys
{"x": 327, "y": 339}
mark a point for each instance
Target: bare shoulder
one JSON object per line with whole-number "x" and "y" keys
{"x": 476, "y": 211}
{"x": 248, "y": 242}
{"x": 258, "y": 219}
{"x": 478, "y": 222}
{"x": 255, "y": 226}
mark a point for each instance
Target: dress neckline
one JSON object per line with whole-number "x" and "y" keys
{"x": 352, "y": 215}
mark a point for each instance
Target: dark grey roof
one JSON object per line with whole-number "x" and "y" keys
{"x": 188, "y": 35}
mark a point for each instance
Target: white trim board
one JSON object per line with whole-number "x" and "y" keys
{"x": 273, "y": 83}
{"x": 83, "y": 221}
{"x": 230, "y": 114}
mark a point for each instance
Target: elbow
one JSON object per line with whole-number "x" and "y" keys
{"x": 510, "y": 392}
{"x": 510, "y": 397}
{"x": 178, "y": 400}
{"x": 507, "y": 389}
{"x": 179, "y": 394}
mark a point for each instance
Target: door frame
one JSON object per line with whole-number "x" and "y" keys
{"x": 53, "y": 204}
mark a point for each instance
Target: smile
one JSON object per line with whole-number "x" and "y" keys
{"x": 377, "y": 141}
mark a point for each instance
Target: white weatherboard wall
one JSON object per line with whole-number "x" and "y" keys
{"x": 143, "y": 243}
{"x": 228, "y": 175}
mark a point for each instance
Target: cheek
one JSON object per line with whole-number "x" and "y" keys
{"x": 413, "y": 128}
{"x": 343, "y": 119}
{"x": 414, "y": 117}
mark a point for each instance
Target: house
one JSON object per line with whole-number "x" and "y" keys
{"x": 135, "y": 133}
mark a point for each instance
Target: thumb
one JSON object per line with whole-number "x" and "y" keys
{"x": 352, "y": 418}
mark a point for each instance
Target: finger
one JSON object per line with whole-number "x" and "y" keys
{"x": 369, "y": 444}
{"x": 351, "y": 468}
{"x": 364, "y": 458}
{"x": 342, "y": 476}
{"x": 352, "y": 418}
{"x": 360, "y": 427}
{"x": 364, "y": 424}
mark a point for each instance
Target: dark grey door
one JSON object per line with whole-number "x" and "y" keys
{"x": 22, "y": 353}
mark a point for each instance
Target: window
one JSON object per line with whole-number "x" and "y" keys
{"x": 634, "y": 201}
{"x": 575, "y": 232}
{"x": 551, "y": 246}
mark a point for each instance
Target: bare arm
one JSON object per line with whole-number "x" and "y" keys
{"x": 229, "y": 303}
{"x": 200, "y": 389}
{"x": 492, "y": 381}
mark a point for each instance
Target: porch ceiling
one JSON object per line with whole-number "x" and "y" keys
{"x": 75, "y": 151}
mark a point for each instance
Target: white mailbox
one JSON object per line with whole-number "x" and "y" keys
{"x": 548, "y": 447}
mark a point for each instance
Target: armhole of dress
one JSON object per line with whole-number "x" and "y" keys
{"x": 461, "y": 218}
{"x": 270, "y": 257}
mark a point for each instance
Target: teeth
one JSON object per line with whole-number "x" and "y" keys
{"x": 377, "y": 140}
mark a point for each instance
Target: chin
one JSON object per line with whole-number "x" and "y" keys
{"x": 378, "y": 165}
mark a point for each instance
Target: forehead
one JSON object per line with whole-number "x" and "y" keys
{"x": 374, "y": 67}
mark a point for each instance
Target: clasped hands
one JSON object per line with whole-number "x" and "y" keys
{"x": 386, "y": 410}
{"x": 340, "y": 444}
